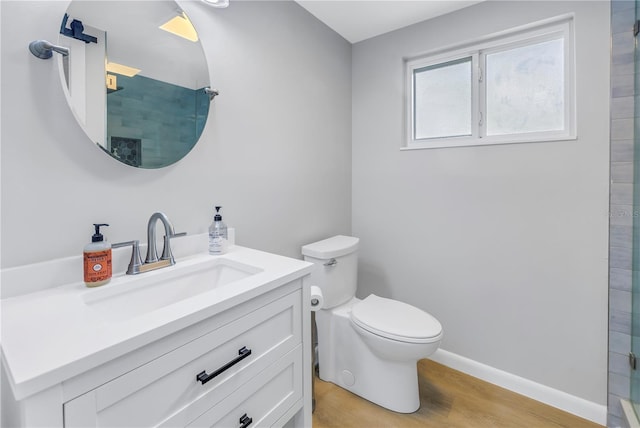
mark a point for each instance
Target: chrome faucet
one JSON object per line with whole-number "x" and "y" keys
{"x": 151, "y": 261}
{"x": 152, "y": 253}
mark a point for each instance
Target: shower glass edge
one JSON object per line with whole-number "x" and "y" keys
{"x": 635, "y": 285}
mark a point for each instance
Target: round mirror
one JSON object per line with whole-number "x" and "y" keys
{"x": 136, "y": 78}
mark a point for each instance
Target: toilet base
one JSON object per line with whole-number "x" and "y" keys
{"x": 347, "y": 361}
{"x": 394, "y": 388}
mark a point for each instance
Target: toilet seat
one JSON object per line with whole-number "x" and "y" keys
{"x": 395, "y": 320}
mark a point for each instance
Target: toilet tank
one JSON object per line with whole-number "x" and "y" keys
{"x": 336, "y": 268}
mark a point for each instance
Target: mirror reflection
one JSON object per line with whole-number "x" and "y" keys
{"x": 135, "y": 78}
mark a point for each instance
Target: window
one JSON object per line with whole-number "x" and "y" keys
{"x": 443, "y": 94}
{"x": 510, "y": 88}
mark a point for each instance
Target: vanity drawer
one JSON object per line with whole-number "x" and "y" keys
{"x": 167, "y": 389}
{"x": 263, "y": 400}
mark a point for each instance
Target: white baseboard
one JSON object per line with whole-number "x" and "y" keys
{"x": 569, "y": 403}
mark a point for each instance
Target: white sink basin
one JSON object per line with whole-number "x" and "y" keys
{"x": 147, "y": 292}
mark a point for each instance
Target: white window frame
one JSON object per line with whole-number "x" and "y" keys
{"x": 523, "y": 36}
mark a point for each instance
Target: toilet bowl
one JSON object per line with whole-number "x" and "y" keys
{"x": 394, "y": 330}
{"x": 371, "y": 346}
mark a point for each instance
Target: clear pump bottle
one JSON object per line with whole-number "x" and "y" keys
{"x": 218, "y": 237}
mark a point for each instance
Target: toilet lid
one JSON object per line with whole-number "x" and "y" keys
{"x": 395, "y": 320}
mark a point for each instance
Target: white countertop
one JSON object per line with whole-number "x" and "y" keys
{"x": 51, "y": 335}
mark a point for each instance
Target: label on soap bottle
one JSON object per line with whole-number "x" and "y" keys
{"x": 97, "y": 266}
{"x": 217, "y": 245}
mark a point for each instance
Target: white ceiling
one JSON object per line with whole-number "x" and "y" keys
{"x": 357, "y": 20}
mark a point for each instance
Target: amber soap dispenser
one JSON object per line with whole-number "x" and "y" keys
{"x": 97, "y": 259}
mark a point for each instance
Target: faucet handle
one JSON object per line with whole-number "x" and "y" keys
{"x": 136, "y": 261}
{"x": 166, "y": 249}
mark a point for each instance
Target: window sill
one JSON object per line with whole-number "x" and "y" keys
{"x": 487, "y": 141}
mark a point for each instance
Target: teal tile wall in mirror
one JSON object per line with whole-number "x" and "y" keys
{"x": 166, "y": 118}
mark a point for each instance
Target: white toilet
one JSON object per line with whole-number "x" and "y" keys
{"x": 369, "y": 347}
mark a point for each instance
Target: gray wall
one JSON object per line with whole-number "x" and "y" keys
{"x": 275, "y": 153}
{"x": 506, "y": 245}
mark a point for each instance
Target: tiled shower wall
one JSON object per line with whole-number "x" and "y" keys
{"x": 621, "y": 211}
{"x": 168, "y": 119}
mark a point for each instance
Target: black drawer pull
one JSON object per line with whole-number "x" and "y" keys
{"x": 245, "y": 421}
{"x": 204, "y": 377}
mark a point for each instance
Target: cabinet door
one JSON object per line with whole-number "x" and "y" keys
{"x": 173, "y": 387}
{"x": 263, "y": 400}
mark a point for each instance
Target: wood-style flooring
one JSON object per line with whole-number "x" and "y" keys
{"x": 448, "y": 398}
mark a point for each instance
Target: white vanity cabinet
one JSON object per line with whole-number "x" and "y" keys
{"x": 248, "y": 352}
{"x": 248, "y": 365}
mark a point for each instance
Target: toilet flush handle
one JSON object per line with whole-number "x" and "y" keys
{"x": 331, "y": 262}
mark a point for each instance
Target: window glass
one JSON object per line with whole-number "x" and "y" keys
{"x": 513, "y": 87}
{"x": 442, "y": 100}
{"x": 525, "y": 89}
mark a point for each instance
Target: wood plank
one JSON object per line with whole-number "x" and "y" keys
{"x": 448, "y": 398}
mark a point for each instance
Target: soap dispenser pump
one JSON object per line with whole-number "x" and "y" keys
{"x": 218, "y": 235}
{"x": 97, "y": 259}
